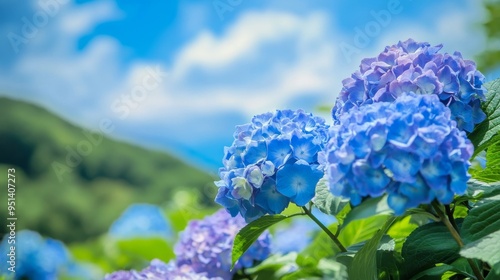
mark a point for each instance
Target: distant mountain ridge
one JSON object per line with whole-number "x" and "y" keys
{"x": 72, "y": 182}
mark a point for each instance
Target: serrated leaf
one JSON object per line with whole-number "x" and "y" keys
{"x": 486, "y": 249}
{"x": 364, "y": 264}
{"x": 325, "y": 201}
{"x": 483, "y": 132}
{"x": 368, "y": 208}
{"x": 481, "y": 221}
{"x": 251, "y": 232}
{"x": 427, "y": 245}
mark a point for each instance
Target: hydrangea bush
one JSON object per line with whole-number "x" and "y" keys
{"x": 387, "y": 184}
{"x": 394, "y": 168}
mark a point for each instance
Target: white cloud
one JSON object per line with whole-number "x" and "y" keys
{"x": 263, "y": 61}
{"x": 83, "y": 19}
{"x": 61, "y": 77}
{"x": 308, "y": 70}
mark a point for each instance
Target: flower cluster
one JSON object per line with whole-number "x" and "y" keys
{"x": 39, "y": 258}
{"x": 417, "y": 67}
{"x": 159, "y": 270}
{"x": 141, "y": 220}
{"x": 410, "y": 149}
{"x": 206, "y": 245}
{"x": 203, "y": 252}
{"x": 272, "y": 161}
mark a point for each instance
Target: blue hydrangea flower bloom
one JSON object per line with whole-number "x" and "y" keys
{"x": 158, "y": 270}
{"x": 411, "y": 66}
{"x": 273, "y": 160}
{"x": 141, "y": 220}
{"x": 205, "y": 246}
{"x": 36, "y": 257}
{"x": 409, "y": 148}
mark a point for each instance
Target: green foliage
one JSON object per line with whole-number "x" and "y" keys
{"x": 368, "y": 208}
{"x": 481, "y": 221}
{"x": 361, "y": 230}
{"x": 364, "y": 264}
{"x": 490, "y": 58}
{"x": 93, "y": 193}
{"x": 486, "y": 249}
{"x": 485, "y": 131}
{"x": 477, "y": 189}
{"x": 427, "y": 246}
{"x": 326, "y": 202}
{"x": 492, "y": 171}
{"x": 145, "y": 249}
{"x": 275, "y": 266}
{"x": 251, "y": 232}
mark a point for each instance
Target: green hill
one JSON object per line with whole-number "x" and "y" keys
{"x": 71, "y": 188}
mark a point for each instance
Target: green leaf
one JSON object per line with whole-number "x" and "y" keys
{"x": 428, "y": 245}
{"x": 400, "y": 230}
{"x": 492, "y": 171}
{"x": 361, "y": 230}
{"x": 434, "y": 272}
{"x": 479, "y": 189}
{"x": 364, "y": 264}
{"x": 493, "y": 275}
{"x": 332, "y": 270}
{"x": 322, "y": 246}
{"x": 483, "y": 132}
{"x": 146, "y": 248}
{"x": 325, "y": 201}
{"x": 486, "y": 249}
{"x": 463, "y": 267}
{"x": 274, "y": 267}
{"x": 251, "y": 232}
{"x": 368, "y": 208}
{"x": 388, "y": 264}
{"x": 481, "y": 221}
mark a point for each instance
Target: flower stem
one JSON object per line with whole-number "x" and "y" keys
{"x": 457, "y": 237}
{"x": 325, "y": 229}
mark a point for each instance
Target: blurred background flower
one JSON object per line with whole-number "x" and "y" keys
{"x": 44, "y": 259}
{"x": 108, "y": 103}
{"x": 141, "y": 220}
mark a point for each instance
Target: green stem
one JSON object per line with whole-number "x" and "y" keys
{"x": 457, "y": 237}
{"x": 449, "y": 213}
{"x": 325, "y": 229}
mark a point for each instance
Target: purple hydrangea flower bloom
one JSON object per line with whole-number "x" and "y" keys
{"x": 205, "y": 246}
{"x": 409, "y": 148}
{"x": 273, "y": 160}
{"x": 158, "y": 270}
{"x": 411, "y": 66}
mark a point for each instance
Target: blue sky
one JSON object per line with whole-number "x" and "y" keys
{"x": 207, "y": 65}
